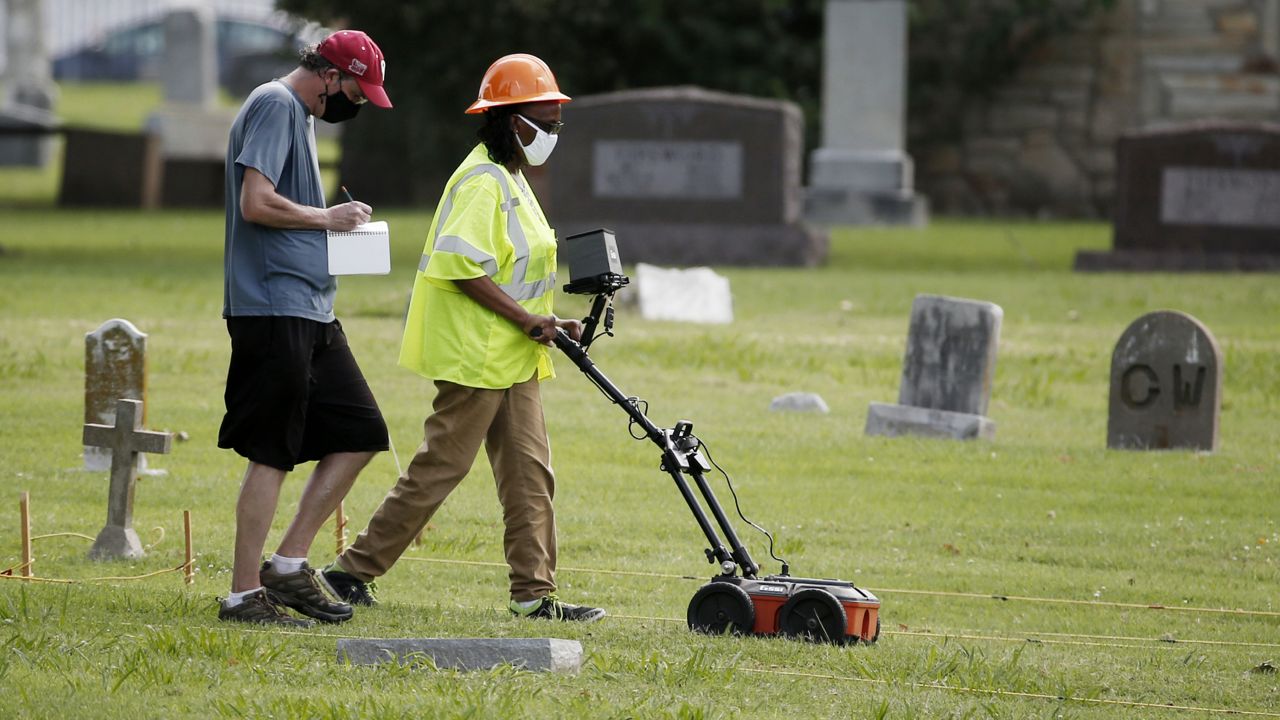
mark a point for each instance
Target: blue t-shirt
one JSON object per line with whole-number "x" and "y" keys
{"x": 275, "y": 271}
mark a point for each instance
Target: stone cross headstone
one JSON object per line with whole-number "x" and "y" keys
{"x": 862, "y": 174}
{"x": 685, "y": 176}
{"x": 127, "y": 440}
{"x": 115, "y": 367}
{"x": 1200, "y": 196}
{"x": 698, "y": 295}
{"x": 947, "y": 372}
{"x": 28, "y": 93}
{"x": 1166, "y": 385}
{"x": 192, "y": 128}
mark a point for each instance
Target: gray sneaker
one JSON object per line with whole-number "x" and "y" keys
{"x": 303, "y": 591}
{"x": 257, "y": 608}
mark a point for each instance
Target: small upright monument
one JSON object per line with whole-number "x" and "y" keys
{"x": 1166, "y": 385}
{"x": 27, "y": 92}
{"x": 946, "y": 374}
{"x": 192, "y": 128}
{"x": 115, "y": 367}
{"x": 862, "y": 174}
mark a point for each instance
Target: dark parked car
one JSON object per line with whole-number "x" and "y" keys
{"x": 137, "y": 52}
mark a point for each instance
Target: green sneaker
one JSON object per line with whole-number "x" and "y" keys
{"x": 551, "y": 608}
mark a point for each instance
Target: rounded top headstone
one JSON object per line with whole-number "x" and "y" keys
{"x": 1166, "y": 384}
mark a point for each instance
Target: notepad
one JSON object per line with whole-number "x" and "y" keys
{"x": 363, "y": 251}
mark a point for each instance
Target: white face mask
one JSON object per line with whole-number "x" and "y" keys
{"x": 537, "y": 152}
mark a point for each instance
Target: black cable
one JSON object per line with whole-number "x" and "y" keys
{"x": 637, "y": 403}
{"x": 738, "y": 507}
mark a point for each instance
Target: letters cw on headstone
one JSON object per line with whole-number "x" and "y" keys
{"x": 1166, "y": 385}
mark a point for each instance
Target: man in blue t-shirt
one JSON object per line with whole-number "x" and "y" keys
{"x": 294, "y": 391}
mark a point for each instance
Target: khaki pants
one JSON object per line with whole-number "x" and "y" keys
{"x": 511, "y": 426}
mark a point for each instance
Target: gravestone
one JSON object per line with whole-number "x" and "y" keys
{"x": 540, "y": 654}
{"x": 110, "y": 169}
{"x": 862, "y": 174}
{"x": 799, "y": 402}
{"x": 193, "y": 130}
{"x": 115, "y": 367}
{"x": 1166, "y": 385}
{"x": 947, "y": 372}
{"x": 684, "y": 176}
{"x": 697, "y": 295}
{"x": 1200, "y": 196}
{"x": 126, "y": 439}
{"x": 27, "y": 101}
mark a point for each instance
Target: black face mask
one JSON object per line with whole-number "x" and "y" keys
{"x": 338, "y": 107}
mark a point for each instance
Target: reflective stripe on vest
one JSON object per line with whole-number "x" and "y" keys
{"x": 517, "y": 289}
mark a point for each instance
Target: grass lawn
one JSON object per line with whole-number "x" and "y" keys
{"x": 1081, "y": 539}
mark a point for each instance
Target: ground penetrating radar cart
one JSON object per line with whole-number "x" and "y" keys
{"x": 737, "y": 600}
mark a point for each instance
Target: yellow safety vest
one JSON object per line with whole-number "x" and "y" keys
{"x": 487, "y": 223}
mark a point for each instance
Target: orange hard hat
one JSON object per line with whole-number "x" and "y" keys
{"x": 514, "y": 79}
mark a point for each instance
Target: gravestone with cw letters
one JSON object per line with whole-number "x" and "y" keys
{"x": 684, "y": 176}
{"x": 946, "y": 373}
{"x": 127, "y": 441}
{"x": 1166, "y": 385}
{"x": 1201, "y": 196}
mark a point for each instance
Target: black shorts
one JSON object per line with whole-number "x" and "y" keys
{"x": 295, "y": 394}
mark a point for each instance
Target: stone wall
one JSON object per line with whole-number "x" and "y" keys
{"x": 1044, "y": 143}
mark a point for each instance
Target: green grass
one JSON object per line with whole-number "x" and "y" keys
{"x": 1045, "y": 511}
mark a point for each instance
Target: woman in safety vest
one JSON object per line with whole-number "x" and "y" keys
{"x": 484, "y": 288}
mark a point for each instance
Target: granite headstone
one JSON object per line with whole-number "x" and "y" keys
{"x": 947, "y": 372}
{"x": 685, "y": 176}
{"x": 862, "y": 173}
{"x": 29, "y": 95}
{"x": 539, "y": 654}
{"x": 193, "y": 130}
{"x": 1201, "y": 196}
{"x": 101, "y": 168}
{"x": 1166, "y": 385}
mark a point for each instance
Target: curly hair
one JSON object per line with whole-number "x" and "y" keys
{"x": 497, "y": 136}
{"x": 309, "y": 59}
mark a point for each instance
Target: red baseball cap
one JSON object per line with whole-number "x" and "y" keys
{"x": 357, "y": 55}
